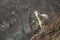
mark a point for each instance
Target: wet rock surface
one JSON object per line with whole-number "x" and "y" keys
{"x": 16, "y": 17}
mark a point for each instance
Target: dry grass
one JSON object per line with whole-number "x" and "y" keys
{"x": 51, "y": 30}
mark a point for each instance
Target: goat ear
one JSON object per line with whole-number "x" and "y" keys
{"x": 36, "y": 13}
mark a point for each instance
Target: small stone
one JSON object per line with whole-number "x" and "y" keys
{"x": 13, "y": 12}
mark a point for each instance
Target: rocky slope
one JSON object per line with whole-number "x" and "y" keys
{"x": 16, "y": 17}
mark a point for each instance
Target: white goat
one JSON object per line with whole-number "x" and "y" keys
{"x": 39, "y": 19}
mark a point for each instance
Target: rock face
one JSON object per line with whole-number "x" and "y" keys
{"x": 16, "y": 17}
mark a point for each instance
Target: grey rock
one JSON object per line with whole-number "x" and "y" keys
{"x": 16, "y": 13}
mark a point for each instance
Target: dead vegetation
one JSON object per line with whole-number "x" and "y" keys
{"x": 51, "y": 30}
